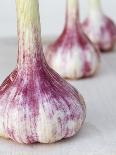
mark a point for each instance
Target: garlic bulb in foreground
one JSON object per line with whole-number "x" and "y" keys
{"x": 72, "y": 55}
{"x": 99, "y": 28}
{"x": 36, "y": 104}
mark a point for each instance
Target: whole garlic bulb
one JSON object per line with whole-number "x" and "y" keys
{"x": 73, "y": 55}
{"x": 36, "y": 104}
{"x": 100, "y": 29}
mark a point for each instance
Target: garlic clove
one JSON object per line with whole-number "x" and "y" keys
{"x": 73, "y": 55}
{"x": 100, "y": 29}
{"x": 36, "y": 104}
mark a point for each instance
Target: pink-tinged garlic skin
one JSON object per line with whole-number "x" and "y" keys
{"x": 102, "y": 34}
{"x": 100, "y": 29}
{"x": 73, "y": 55}
{"x": 36, "y": 104}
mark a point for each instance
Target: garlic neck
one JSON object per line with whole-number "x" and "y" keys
{"x": 29, "y": 32}
{"x": 95, "y": 10}
{"x": 72, "y": 13}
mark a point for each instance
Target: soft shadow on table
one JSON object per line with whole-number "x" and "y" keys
{"x": 88, "y": 130}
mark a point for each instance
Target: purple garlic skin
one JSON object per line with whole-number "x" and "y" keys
{"x": 102, "y": 34}
{"x": 100, "y": 29}
{"x": 73, "y": 55}
{"x": 36, "y": 104}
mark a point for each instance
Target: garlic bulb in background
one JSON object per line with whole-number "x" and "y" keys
{"x": 72, "y": 55}
{"x": 99, "y": 28}
{"x": 36, "y": 104}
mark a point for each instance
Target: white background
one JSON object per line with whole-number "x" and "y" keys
{"x": 52, "y": 15}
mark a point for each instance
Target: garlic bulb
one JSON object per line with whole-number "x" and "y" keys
{"x": 36, "y": 104}
{"x": 99, "y": 28}
{"x": 72, "y": 55}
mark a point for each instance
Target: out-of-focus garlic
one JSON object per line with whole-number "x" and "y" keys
{"x": 73, "y": 55}
{"x": 99, "y": 28}
{"x": 36, "y": 104}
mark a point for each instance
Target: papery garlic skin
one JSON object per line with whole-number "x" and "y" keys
{"x": 75, "y": 63}
{"x": 100, "y": 29}
{"x": 73, "y": 55}
{"x": 36, "y": 104}
{"x": 26, "y": 118}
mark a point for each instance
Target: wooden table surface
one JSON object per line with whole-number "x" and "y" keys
{"x": 98, "y": 135}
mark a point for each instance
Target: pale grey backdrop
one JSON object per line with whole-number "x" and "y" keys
{"x": 52, "y": 15}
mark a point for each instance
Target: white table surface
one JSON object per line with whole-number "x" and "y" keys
{"x": 98, "y": 135}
